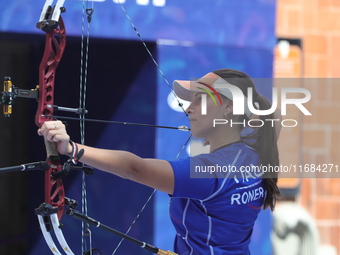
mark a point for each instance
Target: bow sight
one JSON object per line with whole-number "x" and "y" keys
{"x": 11, "y": 93}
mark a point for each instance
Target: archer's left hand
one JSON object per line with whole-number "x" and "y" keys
{"x": 55, "y": 131}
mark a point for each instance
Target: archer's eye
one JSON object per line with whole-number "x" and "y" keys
{"x": 199, "y": 96}
{"x": 197, "y": 99}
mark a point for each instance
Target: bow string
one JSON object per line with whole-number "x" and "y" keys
{"x": 183, "y": 128}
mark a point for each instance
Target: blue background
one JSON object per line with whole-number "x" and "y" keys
{"x": 189, "y": 39}
{"x": 242, "y": 23}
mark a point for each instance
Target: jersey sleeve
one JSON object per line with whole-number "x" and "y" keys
{"x": 188, "y": 187}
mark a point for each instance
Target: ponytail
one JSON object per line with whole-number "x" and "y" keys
{"x": 265, "y": 137}
{"x": 266, "y": 145}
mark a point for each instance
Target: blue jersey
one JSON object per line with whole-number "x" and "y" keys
{"x": 216, "y": 215}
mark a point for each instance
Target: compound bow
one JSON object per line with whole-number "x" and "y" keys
{"x": 50, "y": 212}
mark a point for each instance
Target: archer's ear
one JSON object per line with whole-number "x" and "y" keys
{"x": 228, "y": 105}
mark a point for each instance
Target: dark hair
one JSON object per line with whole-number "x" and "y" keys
{"x": 265, "y": 137}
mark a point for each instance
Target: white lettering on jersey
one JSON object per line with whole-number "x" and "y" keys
{"x": 247, "y": 196}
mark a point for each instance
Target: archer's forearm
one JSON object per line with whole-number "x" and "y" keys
{"x": 120, "y": 163}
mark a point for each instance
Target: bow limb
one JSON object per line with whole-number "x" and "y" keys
{"x": 54, "y": 49}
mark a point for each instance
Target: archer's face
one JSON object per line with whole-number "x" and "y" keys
{"x": 202, "y": 124}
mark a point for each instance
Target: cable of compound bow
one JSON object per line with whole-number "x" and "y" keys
{"x": 84, "y": 57}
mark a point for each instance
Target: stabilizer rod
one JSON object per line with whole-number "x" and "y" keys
{"x": 42, "y": 165}
{"x": 78, "y": 215}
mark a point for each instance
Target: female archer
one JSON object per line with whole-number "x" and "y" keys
{"x": 213, "y": 213}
